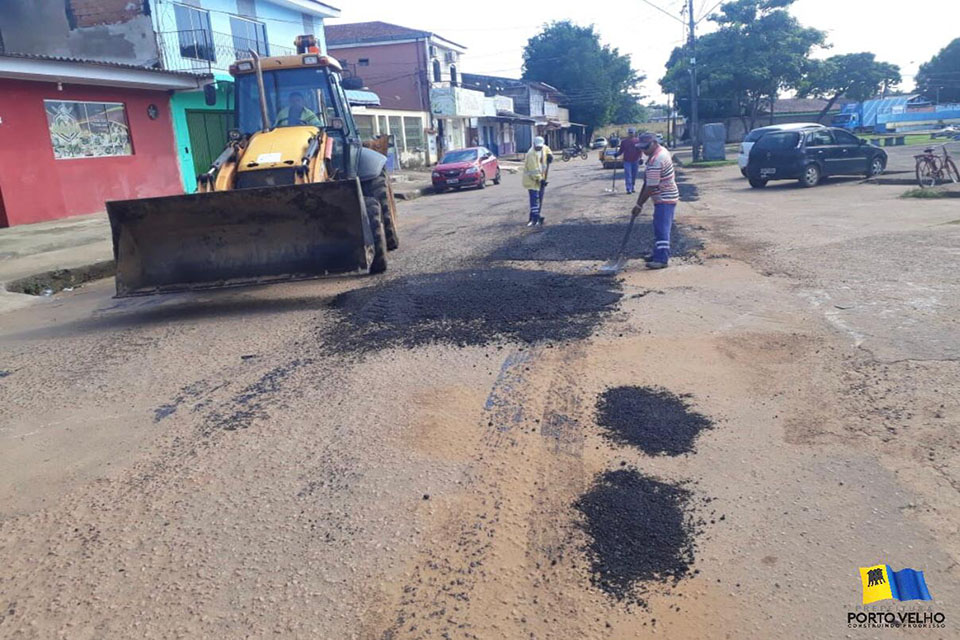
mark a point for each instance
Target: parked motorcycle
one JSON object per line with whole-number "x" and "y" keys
{"x": 573, "y": 152}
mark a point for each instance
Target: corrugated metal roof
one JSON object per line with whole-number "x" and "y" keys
{"x": 102, "y": 63}
{"x": 803, "y": 105}
{"x": 375, "y": 31}
{"x": 504, "y": 113}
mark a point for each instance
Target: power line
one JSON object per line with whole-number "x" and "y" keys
{"x": 707, "y": 13}
{"x": 662, "y": 10}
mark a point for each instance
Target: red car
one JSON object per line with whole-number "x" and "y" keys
{"x": 470, "y": 167}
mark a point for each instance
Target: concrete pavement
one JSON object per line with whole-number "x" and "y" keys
{"x": 75, "y": 243}
{"x": 213, "y": 464}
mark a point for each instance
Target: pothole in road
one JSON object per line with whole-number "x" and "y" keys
{"x": 640, "y": 531}
{"x": 471, "y": 308}
{"x": 590, "y": 241}
{"x": 654, "y": 420}
{"x": 51, "y": 282}
{"x": 689, "y": 192}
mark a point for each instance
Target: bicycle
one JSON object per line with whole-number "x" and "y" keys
{"x": 932, "y": 169}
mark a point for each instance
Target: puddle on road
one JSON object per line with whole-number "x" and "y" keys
{"x": 640, "y": 532}
{"x": 653, "y": 420}
{"x": 590, "y": 241}
{"x": 471, "y": 308}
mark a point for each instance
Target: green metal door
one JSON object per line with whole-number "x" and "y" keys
{"x": 208, "y": 136}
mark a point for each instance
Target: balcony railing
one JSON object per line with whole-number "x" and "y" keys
{"x": 203, "y": 52}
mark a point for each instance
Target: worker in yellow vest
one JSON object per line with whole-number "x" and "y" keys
{"x": 536, "y": 166}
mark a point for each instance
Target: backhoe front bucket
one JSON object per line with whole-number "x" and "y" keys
{"x": 241, "y": 237}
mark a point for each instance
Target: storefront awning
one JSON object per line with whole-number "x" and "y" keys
{"x": 362, "y": 98}
{"x": 505, "y": 115}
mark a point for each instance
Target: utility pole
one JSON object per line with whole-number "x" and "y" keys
{"x": 694, "y": 91}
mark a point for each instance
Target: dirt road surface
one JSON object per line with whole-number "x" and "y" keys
{"x": 491, "y": 441}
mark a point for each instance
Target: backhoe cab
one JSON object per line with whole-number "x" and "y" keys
{"x": 294, "y": 194}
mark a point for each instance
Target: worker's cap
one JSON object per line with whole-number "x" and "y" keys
{"x": 646, "y": 139}
{"x": 538, "y": 141}
{"x": 631, "y": 131}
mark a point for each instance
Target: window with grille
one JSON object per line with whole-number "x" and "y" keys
{"x": 247, "y": 35}
{"x": 413, "y": 131}
{"x": 396, "y": 128}
{"x": 364, "y": 126}
{"x": 194, "y": 33}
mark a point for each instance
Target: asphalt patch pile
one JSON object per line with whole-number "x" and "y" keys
{"x": 591, "y": 241}
{"x": 654, "y": 420}
{"x": 471, "y": 308}
{"x": 640, "y": 532}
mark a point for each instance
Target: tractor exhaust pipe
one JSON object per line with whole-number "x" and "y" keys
{"x": 264, "y": 114}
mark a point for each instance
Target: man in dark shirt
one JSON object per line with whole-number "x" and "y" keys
{"x": 631, "y": 153}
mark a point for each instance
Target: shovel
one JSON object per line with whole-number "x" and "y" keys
{"x": 615, "y": 264}
{"x": 613, "y": 185}
{"x": 543, "y": 189}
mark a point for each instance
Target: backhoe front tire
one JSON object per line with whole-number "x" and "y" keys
{"x": 377, "y": 188}
{"x": 379, "y": 264}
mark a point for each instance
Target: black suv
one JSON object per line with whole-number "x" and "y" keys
{"x": 810, "y": 155}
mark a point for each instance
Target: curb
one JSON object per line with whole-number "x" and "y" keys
{"x": 57, "y": 280}
{"x": 413, "y": 194}
{"x": 891, "y": 181}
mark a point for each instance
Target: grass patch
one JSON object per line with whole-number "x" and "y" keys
{"x": 706, "y": 164}
{"x": 925, "y": 194}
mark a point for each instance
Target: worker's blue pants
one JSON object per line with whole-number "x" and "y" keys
{"x": 662, "y": 222}
{"x": 534, "y": 204}
{"x": 630, "y": 170}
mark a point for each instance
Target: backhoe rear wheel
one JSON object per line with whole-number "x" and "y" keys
{"x": 377, "y": 188}
{"x": 379, "y": 264}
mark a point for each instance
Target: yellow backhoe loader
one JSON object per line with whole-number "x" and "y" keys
{"x": 294, "y": 195}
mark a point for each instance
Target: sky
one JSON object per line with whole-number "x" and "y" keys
{"x": 495, "y": 31}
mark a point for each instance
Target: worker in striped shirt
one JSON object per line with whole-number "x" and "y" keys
{"x": 660, "y": 185}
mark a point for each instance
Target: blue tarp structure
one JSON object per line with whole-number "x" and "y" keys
{"x": 873, "y": 108}
{"x": 895, "y": 113}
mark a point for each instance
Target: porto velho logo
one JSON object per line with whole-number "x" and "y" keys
{"x": 881, "y": 583}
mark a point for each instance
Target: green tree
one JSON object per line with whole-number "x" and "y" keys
{"x": 597, "y": 80}
{"x": 941, "y": 75}
{"x": 757, "y": 50}
{"x": 628, "y": 110}
{"x": 857, "y": 76}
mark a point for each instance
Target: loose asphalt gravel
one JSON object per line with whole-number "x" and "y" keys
{"x": 471, "y": 308}
{"x": 655, "y": 421}
{"x": 640, "y": 531}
